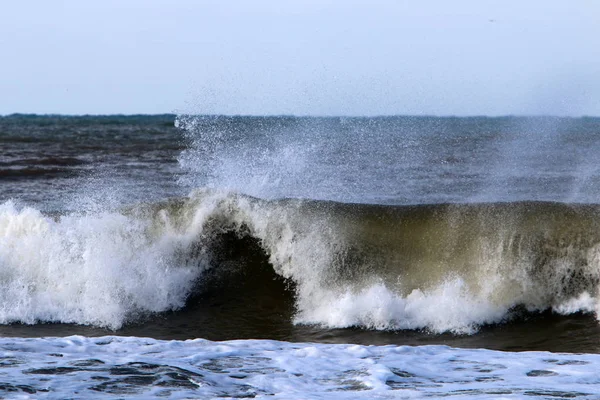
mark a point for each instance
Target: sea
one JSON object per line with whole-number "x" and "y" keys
{"x": 206, "y": 256}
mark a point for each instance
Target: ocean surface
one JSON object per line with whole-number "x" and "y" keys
{"x": 299, "y": 257}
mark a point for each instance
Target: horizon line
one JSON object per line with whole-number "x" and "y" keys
{"x": 174, "y": 114}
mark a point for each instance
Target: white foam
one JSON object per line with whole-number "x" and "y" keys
{"x": 448, "y": 307}
{"x": 140, "y": 368}
{"x": 582, "y": 303}
{"x": 94, "y": 269}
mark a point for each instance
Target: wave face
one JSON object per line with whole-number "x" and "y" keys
{"x": 445, "y": 267}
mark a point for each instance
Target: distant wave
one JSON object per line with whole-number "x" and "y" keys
{"x": 446, "y": 267}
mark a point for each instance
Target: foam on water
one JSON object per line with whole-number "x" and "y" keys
{"x": 96, "y": 269}
{"x": 448, "y": 307}
{"x": 106, "y": 367}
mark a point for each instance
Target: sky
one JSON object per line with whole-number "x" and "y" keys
{"x": 430, "y": 57}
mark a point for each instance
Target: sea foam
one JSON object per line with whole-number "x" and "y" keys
{"x": 96, "y": 269}
{"x": 124, "y": 367}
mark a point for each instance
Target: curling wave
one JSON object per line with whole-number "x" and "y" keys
{"x": 445, "y": 267}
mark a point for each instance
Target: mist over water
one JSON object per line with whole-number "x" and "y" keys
{"x": 388, "y": 160}
{"x": 394, "y": 160}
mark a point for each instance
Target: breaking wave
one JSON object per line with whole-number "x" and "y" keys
{"x": 445, "y": 267}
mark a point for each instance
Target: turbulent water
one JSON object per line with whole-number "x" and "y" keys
{"x": 469, "y": 232}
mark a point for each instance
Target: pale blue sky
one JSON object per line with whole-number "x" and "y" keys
{"x": 301, "y": 57}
